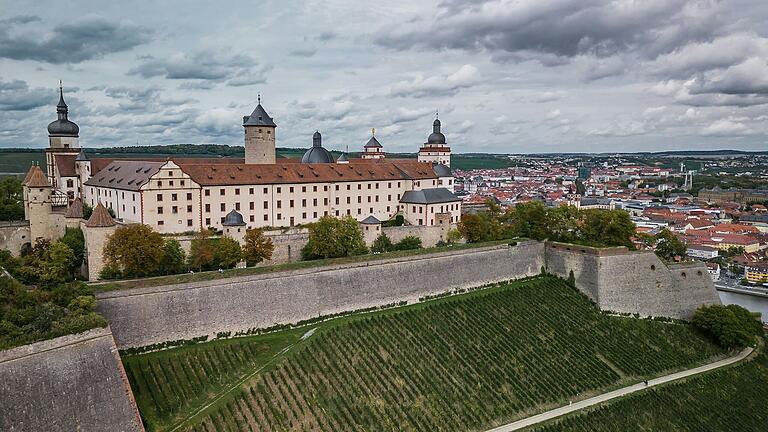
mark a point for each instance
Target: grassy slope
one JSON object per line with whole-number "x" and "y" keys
{"x": 730, "y": 399}
{"x": 459, "y": 363}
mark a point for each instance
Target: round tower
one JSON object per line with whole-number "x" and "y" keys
{"x": 259, "y": 136}
{"x": 37, "y": 204}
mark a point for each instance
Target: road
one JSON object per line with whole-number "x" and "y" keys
{"x": 619, "y": 393}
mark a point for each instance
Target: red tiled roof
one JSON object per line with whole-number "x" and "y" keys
{"x": 36, "y": 178}
{"x": 65, "y": 163}
{"x": 100, "y": 218}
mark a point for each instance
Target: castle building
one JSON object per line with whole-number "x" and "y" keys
{"x": 177, "y": 195}
{"x": 435, "y": 150}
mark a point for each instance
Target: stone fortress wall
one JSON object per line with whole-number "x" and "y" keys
{"x": 14, "y": 235}
{"x": 616, "y": 279}
{"x": 145, "y": 316}
{"x": 620, "y": 280}
{"x": 70, "y": 383}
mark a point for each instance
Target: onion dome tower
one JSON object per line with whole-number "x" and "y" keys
{"x": 373, "y": 148}
{"x": 435, "y": 150}
{"x": 259, "y": 129}
{"x": 317, "y": 154}
{"x": 63, "y": 140}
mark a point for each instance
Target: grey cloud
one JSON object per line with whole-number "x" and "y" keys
{"x": 239, "y": 69}
{"x": 303, "y": 52}
{"x": 747, "y": 78}
{"x": 20, "y": 19}
{"x": 16, "y": 95}
{"x": 87, "y": 38}
{"x": 437, "y": 85}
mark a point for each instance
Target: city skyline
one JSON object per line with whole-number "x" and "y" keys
{"x": 522, "y": 77}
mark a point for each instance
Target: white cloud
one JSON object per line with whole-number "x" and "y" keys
{"x": 437, "y": 85}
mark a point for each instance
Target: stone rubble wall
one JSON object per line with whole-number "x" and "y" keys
{"x": 71, "y": 383}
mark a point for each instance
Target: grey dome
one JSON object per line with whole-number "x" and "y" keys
{"x": 63, "y": 127}
{"x": 317, "y": 154}
{"x": 436, "y": 137}
{"x": 233, "y": 218}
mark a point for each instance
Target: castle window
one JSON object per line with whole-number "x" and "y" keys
{"x": 182, "y": 182}
{"x": 223, "y": 206}
{"x": 279, "y": 216}
{"x": 278, "y": 189}
{"x": 174, "y": 209}
{"x": 304, "y": 202}
{"x": 208, "y": 221}
{"x": 159, "y": 210}
{"x": 304, "y": 215}
{"x": 291, "y": 203}
{"x": 252, "y": 206}
{"x": 369, "y": 186}
{"x": 398, "y": 184}
{"x": 377, "y": 198}
{"x": 265, "y": 190}
{"x": 170, "y": 183}
{"x": 189, "y": 222}
{"x": 314, "y": 188}
{"x": 252, "y": 218}
{"x": 349, "y": 187}
{"x": 369, "y": 198}
{"x": 207, "y": 192}
{"x": 279, "y": 203}
{"x": 290, "y": 189}
{"x": 250, "y": 191}
{"x": 222, "y": 192}
{"x": 266, "y": 205}
{"x": 269, "y": 132}
{"x": 70, "y": 183}
{"x": 174, "y": 197}
{"x": 359, "y": 187}
{"x": 160, "y": 223}
{"x": 337, "y": 213}
{"x": 337, "y": 200}
{"x": 189, "y": 197}
{"x": 348, "y": 212}
{"x": 170, "y": 173}
{"x": 325, "y": 201}
{"x": 377, "y": 185}
{"x": 370, "y": 210}
{"x": 207, "y": 208}
{"x": 159, "y": 183}
{"x": 159, "y": 197}
{"x": 337, "y": 187}
{"x": 189, "y": 209}
{"x": 237, "y": 191}
{"x": 389, "y": 197}
{"x": 304, "y": 189}
{"x": 266, "y": 218}
{"x": 359, "y": 211}
{"x": 237, "y": 206}
{"x": 314, "y": 202}
{"x": 292, "y": 221}
{"x": 359, "y": 199}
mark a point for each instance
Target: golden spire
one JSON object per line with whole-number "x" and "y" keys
{"x": 373, "y": 131}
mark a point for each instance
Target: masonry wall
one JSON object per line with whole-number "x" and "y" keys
{"x": 13, "y": 235}
{"x": 71, "y": 383}
{"x": 634, "y": 282}
{"x": 429, "y": 235}
{"x": 149, "y": 315}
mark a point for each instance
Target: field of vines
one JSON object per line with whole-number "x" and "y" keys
{"x": 732, "y": 399}
{"x": 459, "y": 363}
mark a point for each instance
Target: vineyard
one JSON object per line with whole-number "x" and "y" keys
{"x": 732, "y": 399}
{"x": 458, "y": 363}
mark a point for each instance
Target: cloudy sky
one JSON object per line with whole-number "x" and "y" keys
{"x": 515, "y": 76}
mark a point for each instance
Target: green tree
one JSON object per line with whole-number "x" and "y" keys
{"x": 174, "y": 258}
{"x": 731, "y": 326}
{"x": 227, "y": 253}
{"x": 608, "y": 228}
{"x": 73, "y": 237}
{"x": 382, "y": 243}
{"x": 453, "y": 236}
{"x": 330, "y": 237}
{"x": 87, "y": 210}
{"x": 562, "y": 223}
{"x": 201, "y": 252}
{"x": 136, "y": 250}
{"x": 56, "y": 266}
{"x": 258, "y": 247}
{"x": 530, "y": 220}
{"x": 472, "y": 228}
{"x": 11, "y": 199}
{"x": 408, "y": 243}
{"x": 668, "y": 246}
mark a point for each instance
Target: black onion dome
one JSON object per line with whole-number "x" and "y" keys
{"x": 62, "y": 126}
{"x": 436, "y": 137}
{"x": 317, "y": 154}
{"x": 233, "y": 218}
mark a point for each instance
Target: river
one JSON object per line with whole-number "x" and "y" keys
{"x": 752, "y": 303}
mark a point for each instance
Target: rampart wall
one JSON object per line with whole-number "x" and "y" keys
{"x": 633, "y": 282}
{"x": 429, "y": 235}
{"x": 149, "y": 315}
{"x": 13, "y": 235}
{"x": 71, "y": 383}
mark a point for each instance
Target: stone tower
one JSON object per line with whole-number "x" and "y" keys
{"x": 63, "y": 138}
{"x": 97, "y": 229}
{"x": 259, "y": 137}
{"x": 435, "y": 150}
{"x": 37, "y": 206}
{"x": 373, "y": 148}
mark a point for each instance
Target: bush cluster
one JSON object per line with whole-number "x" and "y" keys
{"x": 731, "y": 326}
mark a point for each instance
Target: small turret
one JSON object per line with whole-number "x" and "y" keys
{"x": 259, "y": 130}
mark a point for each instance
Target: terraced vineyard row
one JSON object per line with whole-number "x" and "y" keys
{"x": 458, "y": 363}
{"x": 733, "y": 399}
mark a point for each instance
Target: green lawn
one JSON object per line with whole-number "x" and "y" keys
{"x": 464, "y": 362}
{"x": 729, "y": 399}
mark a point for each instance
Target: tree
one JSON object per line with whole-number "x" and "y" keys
{"x": 56, "y": 266}
{"x": 174, "y": 258}
{"x": 668, "y": 246}
{"x": 471, "y": 228}
{"x": 330, "y": 237}
{"x": 258, "y": 247}
{"x": 453, "y": 236}
{"x": 11, "y": 199}
{"x": 201, "y": 252}
{"x": 87, "y": 210}
{"x": 562, "y": 223}
{"x": 608, "y": 228}
{"x": 731, "y": 326}
{"x": 408, "y": 243}
{"x": 382, "y": 243}
{"x": 227, "y": 253}
{"x": 136, "y": 250}
{"x": 73, "y": 237}
{"x": 530, "y": 220}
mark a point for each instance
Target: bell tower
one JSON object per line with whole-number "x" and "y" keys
{"x": 259, "y": 136}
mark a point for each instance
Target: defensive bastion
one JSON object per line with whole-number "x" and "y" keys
{"x": 614, "y": 278}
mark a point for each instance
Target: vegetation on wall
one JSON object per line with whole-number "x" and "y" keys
{"x": 537, "y": 221}
{"x": 47, "y": 264}
{"x": 493, "y": 356}
{"x": 668, "y": 246}
{"x": 28, "y": 316}
{"x": 258, "y": 247}
{"x": 382, "y": 243}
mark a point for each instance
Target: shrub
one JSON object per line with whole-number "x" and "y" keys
{"x": 731, "y": 326}
{"x": 174, "y": 258}
{"x": 408, "y": 243}
{"x": 73, "y": 237}
{"x": 330, "y": 237}
{"x": 227, "y": 253}
{"x": 382, "y": 244}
